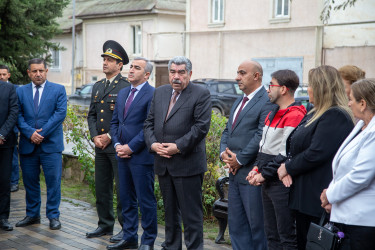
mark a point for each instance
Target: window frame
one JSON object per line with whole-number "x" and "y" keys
{"x": 280, "y": 18}
{"x": 217, "y": 8}
{"x": 53, "y": 53}
{"x": 137, "y": 39}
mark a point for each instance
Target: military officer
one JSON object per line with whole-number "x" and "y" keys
{"x": 103, "y": 100}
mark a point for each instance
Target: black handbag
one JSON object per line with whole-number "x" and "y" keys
{"x": 323, "y": 238}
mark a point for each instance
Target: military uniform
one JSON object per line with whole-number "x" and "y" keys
{"x": 103, "y": 100}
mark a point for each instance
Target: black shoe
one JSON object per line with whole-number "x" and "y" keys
{"x": 98, "y": 232}
{"x": 146, "y": 247}
{"x": 117, "y": 237}
{"x": 4, "y": 224}
{"x": 123, "y": 244}
{"x": 13, "y": 187}
{"x": 28, "y": 221}
{"x": 54, "y": 224}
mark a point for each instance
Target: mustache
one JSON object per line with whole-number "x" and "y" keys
{"x": 176, "y": 81}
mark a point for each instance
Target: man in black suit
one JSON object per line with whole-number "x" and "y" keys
{"x": 8, "y": 119}
{"x": 175, "y": 130}
{"x": 239, "y": 148}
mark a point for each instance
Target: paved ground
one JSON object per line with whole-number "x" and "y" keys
{"x": 77, "y": 218}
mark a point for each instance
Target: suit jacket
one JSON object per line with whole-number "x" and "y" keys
{"x": 352, "y": 190}
{"x": 8, "y": 114}
{"x": 50, "y": 116}
{"x": 187, "y": 125}
{"x": 310, "y": 152}
{"x": 129, "y": 130}
{"x": 244, "y": 138}
{"x": 103, "y": 101}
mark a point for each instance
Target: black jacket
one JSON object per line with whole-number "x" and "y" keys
{"x": 8, "y": 113}
{"x": 310, "y": 151}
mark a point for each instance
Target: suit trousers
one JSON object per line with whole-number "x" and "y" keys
{"x": 52, "y": 168}
{"x": 14, "y": 179}
{"x": 245, "y": 217}
{"x": 5, "y": 172}
{"x": 105, "y": 171}
{"x": 137, "y": 187}
{"x": 279, "y": 219}
{"x": 182, "y": 197}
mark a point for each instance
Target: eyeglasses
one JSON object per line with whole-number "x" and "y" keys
{"x": 273, "y": 85}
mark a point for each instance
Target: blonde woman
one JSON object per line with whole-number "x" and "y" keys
{"x": 312, "y": 146}
{"x": 352, "y": 190}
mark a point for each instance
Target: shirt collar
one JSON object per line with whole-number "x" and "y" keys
{"x": 42, "y": 85}
{"x": 252, "y": 94}
{"x": 139, "y": 86}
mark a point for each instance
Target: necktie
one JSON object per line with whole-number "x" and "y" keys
{"x": 107, "y": 84}
{"x": 172, "y": 102}
{"x": 244, "y": 100}
{"x": 36, "y": 98}
{"x": 129, "y": 101}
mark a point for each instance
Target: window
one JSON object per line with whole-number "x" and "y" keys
{"x": 137, "y": 39}
{"x": 226, "y": 88}
{"x": 217, "y": 11}
{"x": 282, "y": 8}
{"x": 55, "y": 55}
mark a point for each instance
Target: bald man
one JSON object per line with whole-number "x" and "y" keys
{"x": 239, "y": 148}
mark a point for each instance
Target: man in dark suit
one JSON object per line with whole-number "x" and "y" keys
{"x": 103, "y": 100}
{"x": 175, "y": 129}
{"x": 135, "y": 162}
{"x": 42, "y": 110}
{"x": 239, "y": 147}
{"x": 15, "y": 176}
{"x": 8, "y": 119}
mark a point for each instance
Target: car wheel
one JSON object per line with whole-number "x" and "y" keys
{"x": 217, "y": 110}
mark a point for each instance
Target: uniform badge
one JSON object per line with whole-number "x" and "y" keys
{"x": 109, "y": 50}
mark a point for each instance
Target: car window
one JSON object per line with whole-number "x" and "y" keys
{"x": 237, "y": 88}
{"x": 86, "y": 90}
{"x": 226, "y": 88}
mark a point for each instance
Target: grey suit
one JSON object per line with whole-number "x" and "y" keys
{"x": 181, "y": 176}
{"x": 245, "y": 215}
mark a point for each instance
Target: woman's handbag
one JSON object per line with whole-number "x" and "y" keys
{"x": 322, "y": 237}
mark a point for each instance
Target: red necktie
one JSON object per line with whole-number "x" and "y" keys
{"x": 244, "y": 100}
{"x": 129, "y": 101}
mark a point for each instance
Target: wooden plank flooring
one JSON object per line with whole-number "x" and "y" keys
{"x": 76, "y": 218}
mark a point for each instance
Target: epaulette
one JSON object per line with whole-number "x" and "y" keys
{"x": 124, "y": 78}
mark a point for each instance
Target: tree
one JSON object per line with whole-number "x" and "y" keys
{"x": 27, "y": 26}
{"x": 328, "y": 4}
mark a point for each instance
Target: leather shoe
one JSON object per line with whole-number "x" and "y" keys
{"x": 123, "y": 244}
{"x": 146, "y": 247}
{"x": 54, "y": 224}
{"x": 116, "y": 238}
{"x": 13, "y": 187}
{"x": 4, "y": 224}
{"x": 28, "y": 221}
{"x": 98, "y": 232}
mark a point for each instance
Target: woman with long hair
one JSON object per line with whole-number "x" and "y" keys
{"x": 312, "y": 146}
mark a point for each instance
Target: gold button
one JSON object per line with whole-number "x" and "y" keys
{"x": 102, "y": 129}
{"x": 102, "y": 101}
{"x": 102, "y": 110}
{"x": 101, "y": 120}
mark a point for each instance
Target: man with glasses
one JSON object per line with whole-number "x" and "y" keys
{"x": 278, "y": 217}
{"x": 239, "y": 148}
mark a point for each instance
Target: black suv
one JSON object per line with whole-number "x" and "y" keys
{"x": 223, "y": 93}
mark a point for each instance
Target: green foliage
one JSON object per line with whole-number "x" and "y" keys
{"x": 328, "y": 4}
{"x": 26, "y": 30}
{"x": 76, "y": 131}
{"x": 214, "y": 165}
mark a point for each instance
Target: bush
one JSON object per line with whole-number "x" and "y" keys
{"x": 77, "y": 132}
